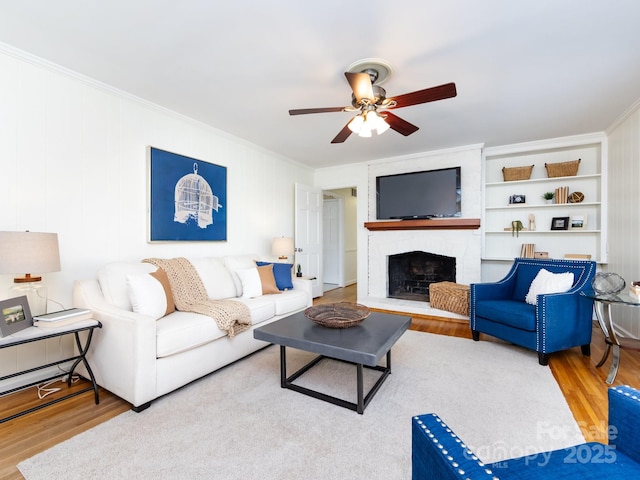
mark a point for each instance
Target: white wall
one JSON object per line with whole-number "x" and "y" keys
{"x": 73, "y": 160}
{"x": 622, "y": 207}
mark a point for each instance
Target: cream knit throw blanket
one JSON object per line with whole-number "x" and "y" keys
{"x": 190, "y": 295}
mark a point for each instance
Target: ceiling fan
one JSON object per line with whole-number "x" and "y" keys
{"x": 370, "y": 101}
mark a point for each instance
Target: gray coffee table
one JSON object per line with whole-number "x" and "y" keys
{"x": 363, "y": 345}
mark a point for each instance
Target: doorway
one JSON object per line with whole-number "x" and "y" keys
{"x": 339, "y": 244}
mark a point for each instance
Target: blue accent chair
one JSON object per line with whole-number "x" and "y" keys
{"x": 558, "y": 321}
{"x": 438, "y": 453}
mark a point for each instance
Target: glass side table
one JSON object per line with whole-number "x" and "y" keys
{"x": 602, "y": 305}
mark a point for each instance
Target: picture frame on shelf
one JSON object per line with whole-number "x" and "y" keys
{"x": 560, "y": 223}
{"x": 517, "y": 199}
{"x": 15, "y": 315}
{"x": 578, "y": 222}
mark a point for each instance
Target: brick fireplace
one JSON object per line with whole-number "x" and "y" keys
{"x": 453, "y": 255}
{"x": 462, "y": 245}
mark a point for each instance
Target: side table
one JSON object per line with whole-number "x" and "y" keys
{"x": 602, "y": 305}
{"x": 35, "y": 334}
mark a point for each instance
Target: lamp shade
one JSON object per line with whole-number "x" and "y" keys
{"x": 282, "y": 247}
{"x": 29, "y": 252}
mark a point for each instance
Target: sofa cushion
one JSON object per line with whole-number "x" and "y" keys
{"x": 261, "y": 308}
{"x": 113, "y": 281}
{"x": 282, "y": 274}
{"x": 150, "y": 294}
{"x": 513, "y": 313}
{"x": 289, "y": 301}
{"x": 239, "y": 262}
{"x": 182, "y": 331}
{"x": 267, "y": 280}
{"x": 547, "y": 282}
{"x": 250, "y": 280}
{"x": 216, "y": 277}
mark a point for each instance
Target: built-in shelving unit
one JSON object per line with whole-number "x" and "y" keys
{"x": 500, "y": 243}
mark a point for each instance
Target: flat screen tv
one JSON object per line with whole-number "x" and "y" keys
{"x": 427, "y": 194}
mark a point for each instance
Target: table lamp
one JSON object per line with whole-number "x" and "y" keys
{"x": 282, "y": 247}
{"x": 22, "y": 252}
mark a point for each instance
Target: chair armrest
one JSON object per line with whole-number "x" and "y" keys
{"x": 624, "y": 420}
{"x": 565, "y": 320}
{"x": 123, "y": 352}
{"x": 439, "y": 453}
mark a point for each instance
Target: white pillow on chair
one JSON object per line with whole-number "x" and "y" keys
{"x": 547, "y": 282}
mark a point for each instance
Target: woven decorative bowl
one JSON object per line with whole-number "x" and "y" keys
{"x": 337, "y": 315}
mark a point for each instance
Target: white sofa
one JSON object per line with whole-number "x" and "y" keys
{"x": 140, "y": 357}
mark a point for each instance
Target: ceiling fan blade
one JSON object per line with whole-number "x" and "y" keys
{"x": 432, "y": 94}
{"x": 304, "y": 111}
{"x": 399, "y": 125}
{"x": 360, "y": 84}
{"x": 343, "y": 135}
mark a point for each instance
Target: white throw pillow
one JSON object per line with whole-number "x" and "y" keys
{"x": 148, "y": 295}
{"x": 251, "y": 285}
{"x": 547, "y": 282}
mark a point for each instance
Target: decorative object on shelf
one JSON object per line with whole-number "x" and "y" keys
{"x": 527, "y": 250}
{"x": 15, "y": 315}
{"x": 22, "y": 252}
{"x": 608, "y": 283}
{"x": 515, "y": 199}
{"x": 560, "y": 223}
{"x": 337, "y": 315}
{"x": 562, "y": 169}
{"x": 578, "y": 222}
{"x": 299, "y": 271}
{"x": 634, "y": 289}
{"x": 576, "y": 197}
{"x": 516, "y": 173}
{"x": 540, "y": 254}
{"x": 532, "y": 222}
{"x": 282, "y": 247}
{"x": 562, "y": 194}
{"x": 516, "y": 226}
{"x": 577, "y": 256}
{"x": 548, "y": 197}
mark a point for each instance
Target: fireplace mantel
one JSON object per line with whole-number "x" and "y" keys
{"x": 437, "y": 224}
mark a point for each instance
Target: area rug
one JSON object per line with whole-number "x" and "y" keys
{"x": 239, "y": 424}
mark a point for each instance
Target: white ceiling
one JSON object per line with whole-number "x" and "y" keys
{"x": 524, "y": 69}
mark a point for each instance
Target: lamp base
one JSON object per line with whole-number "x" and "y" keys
{"x": 36, "y": 293}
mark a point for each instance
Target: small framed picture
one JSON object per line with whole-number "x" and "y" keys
{"x": 15, "y": 315}
{"x": 515, "y": 199}
{"x": 578, "y": 222}
{"x": 560, "y": 223}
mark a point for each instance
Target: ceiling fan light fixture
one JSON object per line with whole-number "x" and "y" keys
{"x": 355, "y": 125}
{"x": 380, "y": 124}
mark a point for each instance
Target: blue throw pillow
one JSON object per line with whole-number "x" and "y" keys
{"x": 282, "y": 273}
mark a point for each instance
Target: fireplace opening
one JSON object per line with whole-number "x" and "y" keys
{"x": 411, "y": 273}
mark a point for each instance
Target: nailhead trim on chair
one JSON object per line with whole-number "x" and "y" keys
{"x": 446, "y": 453}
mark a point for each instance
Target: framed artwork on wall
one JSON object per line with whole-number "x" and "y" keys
{"x": 15, "y": 315}
{"x": 187, "y": 198}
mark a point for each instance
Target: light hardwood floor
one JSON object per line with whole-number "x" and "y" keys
{"x": 581, "y": 382}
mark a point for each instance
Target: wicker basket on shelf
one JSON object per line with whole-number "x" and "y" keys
{"x": 516, "y": 173}
{"x": 562, "y": 169}
{"x": 337, "y": 315}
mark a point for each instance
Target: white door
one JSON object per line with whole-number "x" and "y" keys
{"x": 308, "y": 236}
{"x": 331, "y": 241}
